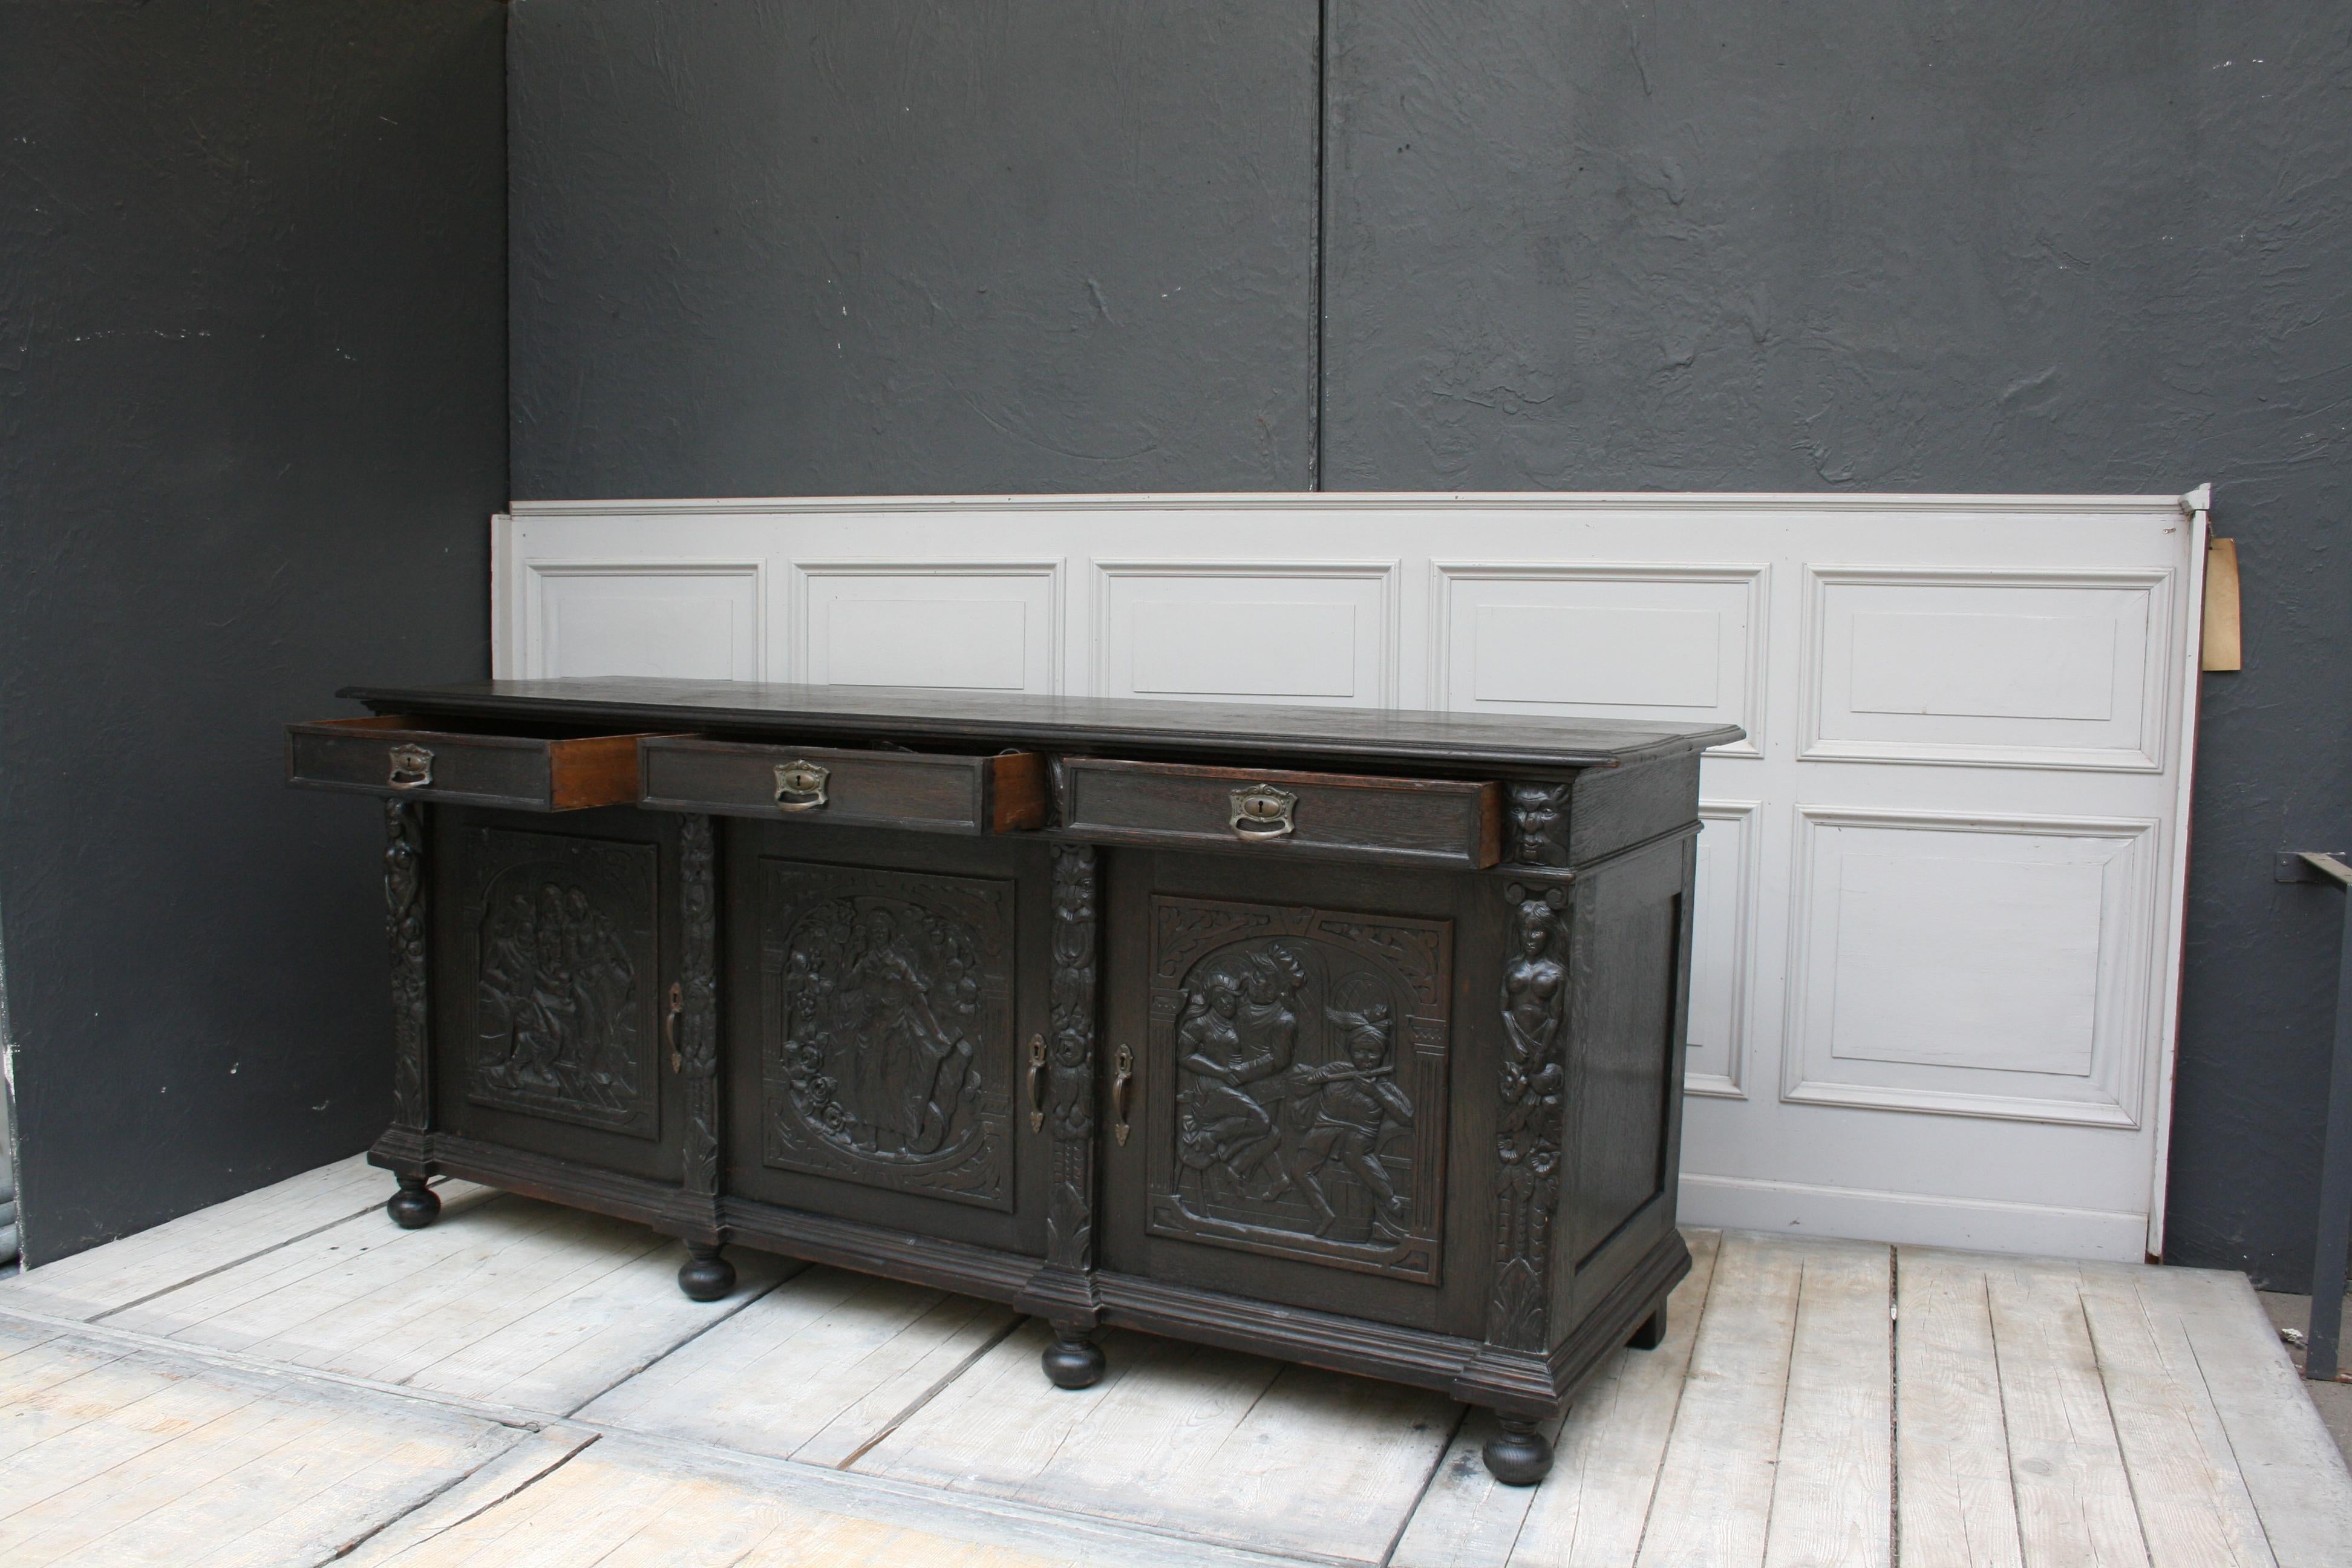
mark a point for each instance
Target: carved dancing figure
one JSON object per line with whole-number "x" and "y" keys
{"x": 1237, "y": 1032}
{"x": 1355, "y": 1100}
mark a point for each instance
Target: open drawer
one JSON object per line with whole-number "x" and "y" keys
{"x": 392, "y": 754}
{"x": 1347, "y": 816}
{"x": 931, "y": 792}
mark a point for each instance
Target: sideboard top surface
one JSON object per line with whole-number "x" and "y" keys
{"x": 1486, "y": 739}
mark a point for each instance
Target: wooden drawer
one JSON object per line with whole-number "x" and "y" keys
{"x": 394, "y": 756}
{"x": 1421, "y": 822}
{"x": 922, "y": 790}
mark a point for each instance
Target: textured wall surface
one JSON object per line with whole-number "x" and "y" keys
{"x": 2088, "y": 245}
{"x": 252, "y": 392}
{"x": 775, "y": 248}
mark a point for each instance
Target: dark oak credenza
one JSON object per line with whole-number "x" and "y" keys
{"x": 1350, "y": 1037}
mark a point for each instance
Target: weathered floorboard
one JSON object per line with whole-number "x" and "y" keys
{"x": 139, "y": 1456}
{"x": 1958, "y": 1507}
{"x": 816, "y": 1370}
{"x": 503, "y": 1300}
{"x": 1196, "y": 1441}
{"x": 1833, "y": 1485}
{"x": 1589, "y": 1510}
{"x": 2074, "y": 1505}
{"x": 93, "y": 1283}
{"x": 1713, "y": 1505}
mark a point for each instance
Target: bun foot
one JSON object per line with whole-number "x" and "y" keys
{"x": 1073, "y": 1360}
{"x": 414, "y": 1207}
{"x": 705, "y": 1276}
{"x": 1518, "y": 1455}
{"x": 1653, "y": 1332}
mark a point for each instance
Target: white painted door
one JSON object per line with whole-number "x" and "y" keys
{"x": 1939, "y": 882}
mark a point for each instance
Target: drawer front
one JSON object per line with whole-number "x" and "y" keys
{"x": 844, "y": 787}
{"x": 391, "y": 755}
{"x": 1422, "y": 822}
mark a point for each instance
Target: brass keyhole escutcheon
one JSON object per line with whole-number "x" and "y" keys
{"x": 799, "y": 785}
{"x": 1263, "y": 811}
{"x": 412, "y": 767}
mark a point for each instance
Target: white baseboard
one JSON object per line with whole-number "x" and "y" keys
{"x": 2101, "y": 1235}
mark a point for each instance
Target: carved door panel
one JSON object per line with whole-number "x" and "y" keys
{"x": 880, "y": 1064}
{"x": 1293, "y": 1058}
{"x": 552, "y": 972}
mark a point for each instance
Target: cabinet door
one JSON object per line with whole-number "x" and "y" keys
{"x": 552, "y": 963}
{"x": 1294, "y": 1046}
{"x": 879, "y": 1014}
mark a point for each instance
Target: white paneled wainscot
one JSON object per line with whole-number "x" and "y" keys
{"x": 1940, "y": 883}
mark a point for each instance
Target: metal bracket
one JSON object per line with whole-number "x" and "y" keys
{"x": 2313, "y": 865}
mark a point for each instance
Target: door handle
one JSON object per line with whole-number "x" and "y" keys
{"x": 1036, "y": 1083}
{"x": 1122, "y": 1086}
{"x": 669, "y": 1025}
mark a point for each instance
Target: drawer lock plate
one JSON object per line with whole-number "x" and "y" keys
{"x": 412, "y": 767}
{"x": 1263, "y": 811}
{"x": 799, "y": 787}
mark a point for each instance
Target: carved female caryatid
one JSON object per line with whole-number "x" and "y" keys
{"x": 1527, "y": 1130}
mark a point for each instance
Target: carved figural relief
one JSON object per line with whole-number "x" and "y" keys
{"x": 887, "y": 1046}
{"x": 1070, "y": 1216}
{"x": 1301, "y": 1056}
{"x": 565, "y": 970}
{"x": 698, "y": 1043}
{"x": 405, "y": 926}
{"x": 1527, "y": 1130}
{"x": 1539, "y": 824}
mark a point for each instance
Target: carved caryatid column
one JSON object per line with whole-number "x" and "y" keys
{"x": 1062, "y": 1289}
{"x": 1070, "y": 1213}
{"x": 698, "y": 1032}
{"x": 404, "y": 1146}
{"x": 705, "y": 1274}
{"x": 1529, "y": 1119}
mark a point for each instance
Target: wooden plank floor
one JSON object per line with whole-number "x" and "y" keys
{"x": 290, "y": 1379}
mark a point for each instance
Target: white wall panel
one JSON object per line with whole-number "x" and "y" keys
{"x": 688, "y": 620}
{"x": 962, "y": 625}
{"x": 1317, "y": 632}
{"x": 2010, "y": 668}
{"x": 1937, "y": 918}
{"x": 1977, "y": 965}
{"x": 1684, "y": 644}
{"x": 1722, "y": 948}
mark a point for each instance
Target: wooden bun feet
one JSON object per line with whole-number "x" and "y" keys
{"x": 1518, "y": 1455}
{"x": 414, "y": 1207}
{"x": 705, "y": 1276}
{"x": 1073, "y": 1360}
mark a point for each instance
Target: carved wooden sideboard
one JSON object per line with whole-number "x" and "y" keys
{"x": 1343, "y": 1036}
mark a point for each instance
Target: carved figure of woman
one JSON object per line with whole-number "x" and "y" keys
{"x": 906, "y": 1043}
{"x": 1532, "y": 986}
{"x": 1214, "y": 1113}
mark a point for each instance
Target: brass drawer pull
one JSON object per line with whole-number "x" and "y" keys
{"x": 1036, "y": 1083}
{"x": 1263, "y": 811}
{"x": 799, "y": 787}
{"x": 412, "y": 767}
{"x": 1122, "y": 1086}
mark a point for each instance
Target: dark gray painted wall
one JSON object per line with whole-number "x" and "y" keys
{"x": 790, "y": 249}
{"x": 252, "y": 390}
{"x": 2089, "y": 245}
